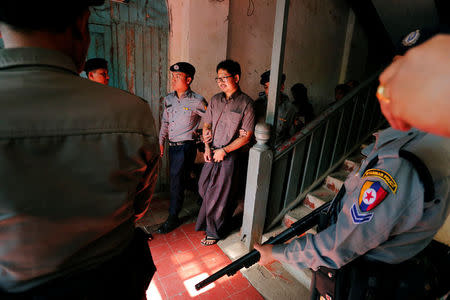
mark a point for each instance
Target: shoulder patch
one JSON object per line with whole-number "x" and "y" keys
{"x": 371, "y": 194}
{"x": 383, "y": 175}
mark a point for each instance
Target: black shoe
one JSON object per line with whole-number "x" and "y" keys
{"x": 170, "y": 224}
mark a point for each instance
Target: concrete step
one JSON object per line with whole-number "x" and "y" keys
{"x": 334, "y": 181}
{"x": 272, "y": 281}
{"x": 303, "y": 276}
{"x": 353, "y": 162}
{"x": 295, "y": 215}
{"x": 318, "y": 197}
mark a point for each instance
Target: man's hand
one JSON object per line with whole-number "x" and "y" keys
{"x": 207, "y": 136}
{"x": 207, "y": 155}
{"x": 242, "y": 132}
{"x": 266, "y": 254}
{"x": 161, "y": 150}
{"x": 416, "y": 89}
{"x": 219, "y": 155}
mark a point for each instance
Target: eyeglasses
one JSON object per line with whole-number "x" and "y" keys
{"x": 222, "y": 79}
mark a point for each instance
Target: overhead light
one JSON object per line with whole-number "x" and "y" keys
{"x": 121, "y": 1}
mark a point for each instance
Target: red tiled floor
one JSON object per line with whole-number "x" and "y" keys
{"x": 166, "y": 266}
{"x": 160, "y": 251}
{"x": 180, "y": 259}
{"x": 180, "y": 245}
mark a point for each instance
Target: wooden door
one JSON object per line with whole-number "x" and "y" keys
{"x": 133, "y": 38}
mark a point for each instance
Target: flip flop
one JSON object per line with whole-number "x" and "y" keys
{"x": 209, "y": 241}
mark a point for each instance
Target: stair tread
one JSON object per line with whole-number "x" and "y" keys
{"x": 356, "y": 158}
{"x": 340, "y": 175}
{"x": 299, "y": 212}
{"x": 323, "y": 193}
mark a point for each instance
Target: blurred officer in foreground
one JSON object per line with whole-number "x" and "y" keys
{"x": 183, "y": 110}
{"x": 379, "y": 242}
{"x": 74, "y": 176}
{"x": 415, "y": 90}
{"x": 97, "y": 70}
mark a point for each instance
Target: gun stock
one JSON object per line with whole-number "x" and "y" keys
{"x": 298, "y": 228}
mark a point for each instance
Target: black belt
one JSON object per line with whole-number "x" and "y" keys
{"x": 180, "y": 143}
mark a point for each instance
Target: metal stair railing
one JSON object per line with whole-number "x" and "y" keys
{"x": 302, "y": 163}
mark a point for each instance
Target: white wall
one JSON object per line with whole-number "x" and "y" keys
{"x": 205, "y": 32}
{"x": 314, "y": 45}
{"x": 198, "y": 35}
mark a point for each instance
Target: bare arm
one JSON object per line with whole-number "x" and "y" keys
{"x": 207, "y": 139}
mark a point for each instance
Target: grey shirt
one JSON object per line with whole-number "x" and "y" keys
{"x": 181, "y": 116}
{"x": 78, "y": 164}
{"x": 227, "y": 117}
{"x": 400, "y": 225}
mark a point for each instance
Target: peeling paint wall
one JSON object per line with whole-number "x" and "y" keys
{"x": 198, "y": 35}
{"x": 133, "y": 38}
{"x": 204, "y": 32}
{"x": 314, "y": 45}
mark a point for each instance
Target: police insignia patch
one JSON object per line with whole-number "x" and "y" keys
{"x": 371, "y": 194}
{"x": 411, "y": 38}
{"x": 383, "y": 175}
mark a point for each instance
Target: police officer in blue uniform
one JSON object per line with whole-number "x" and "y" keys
{"x": 379, "y": 243}
{"x": 183, "y": 110}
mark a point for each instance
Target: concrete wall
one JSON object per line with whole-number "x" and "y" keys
{"x": 204, "y": 32}
{"x": 199, "y": 35}
{"x": 314, "y": 45}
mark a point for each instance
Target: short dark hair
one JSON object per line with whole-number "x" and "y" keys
{"x": 48, "y": 15}
{"x": 300, "y": 91}
{"x": 230, "y": 66}
{"x": 265, "y": 77}
{"x": 94, "y": 64}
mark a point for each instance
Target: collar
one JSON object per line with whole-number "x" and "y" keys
{"x": 186, "y": 94}
{"x": 233, "y": 96}
{"x": 386, "y": 136}
{"x": 19, "y": 57}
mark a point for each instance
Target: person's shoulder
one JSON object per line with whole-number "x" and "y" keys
{"x": 196, "y": 96}
{"x": 111, "y": 104}
{"x": 217, "y": 97}
{"x": 245, "y": 98}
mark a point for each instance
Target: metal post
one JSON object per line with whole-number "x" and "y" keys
{"x": 257, "y": 188}
{"x": 276, "y": 67}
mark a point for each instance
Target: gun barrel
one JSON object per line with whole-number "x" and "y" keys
{"x": 253, "y": 256}
{"x": 247, "y": 260}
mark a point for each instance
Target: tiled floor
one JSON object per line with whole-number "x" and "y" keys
{"x": 182, "y": 262}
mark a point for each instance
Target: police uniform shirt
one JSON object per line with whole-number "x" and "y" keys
{"x": 181, "y": 117}
{"x": 383, "y": 215}
{"x": 227, "y": 117}
{"x": 286, "y": 115}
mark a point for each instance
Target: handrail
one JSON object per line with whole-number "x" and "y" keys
{"x": 301, "y": 163}
{"x": 285, "y": 147}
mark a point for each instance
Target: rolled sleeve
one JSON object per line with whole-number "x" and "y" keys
{"x": 207, "y": 117}
{"x": 164, "y": 130}
{"x": 248, "y": 120}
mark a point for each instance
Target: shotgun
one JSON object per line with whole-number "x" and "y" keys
{"x": 317, "y": 216}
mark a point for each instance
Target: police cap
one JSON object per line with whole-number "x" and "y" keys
{"x": 183, "y": 67}
{"x": 265, "y": 77}
{"x": 94, "y": 64}
{"x": 419, "y": 36}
